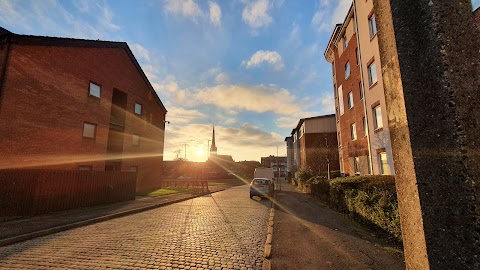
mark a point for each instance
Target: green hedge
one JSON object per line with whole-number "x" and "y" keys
{"x": 370, "y": 199}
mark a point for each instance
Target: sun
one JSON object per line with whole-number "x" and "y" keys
{"x": 199, "y": 152}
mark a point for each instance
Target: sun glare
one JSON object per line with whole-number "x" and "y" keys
{"x": 199, "y": 152}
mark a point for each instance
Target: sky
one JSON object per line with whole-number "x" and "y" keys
{"x": 251, "y": 67}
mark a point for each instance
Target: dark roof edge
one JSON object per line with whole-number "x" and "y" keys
{"x": 72, "y": 42}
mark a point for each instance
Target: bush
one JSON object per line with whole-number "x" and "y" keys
{"x": 370, "y": 199}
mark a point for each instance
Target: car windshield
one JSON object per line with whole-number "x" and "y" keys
{"x": 260, "y": 181}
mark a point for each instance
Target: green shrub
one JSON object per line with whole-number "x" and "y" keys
{"x": 370, "y": 199}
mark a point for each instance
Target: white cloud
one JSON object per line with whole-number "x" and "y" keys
{"x": 185, "y": 8}
{"x": 222, "y": 78}
{"x": 324, "y": 19}
{"x": 255, "y": 14}
{"x": 181, "y": 115}
{"x": 230, "y": 141}
{"x": 215, "y": 13}
{"x": 140, "y": 52}
{"x": 52, "y": 19}
{"x": 11, "y": 15}
{"x": 271, "y": 57}
{"x": 249, "y": 98}
{"x": 170, "y": 88}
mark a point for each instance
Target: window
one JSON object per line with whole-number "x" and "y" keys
{"x": 350, "y": 99}
{"x": 345, "y": 42}
{"x": 89, "y": 130}
{"x": 377, "y": 117}
{"x": 138, "y": 109}
{"x": 135, "y": 140}
{"x": 356, "y": 165}
{"x": 372, "y": 26}
{"x": 133, "y": 169}
{"x": 347, "y": 70}
{"x": 372, "y": 74}
{"x": 383, "y": 163}
{"x": 353, "y": 131}
{"x": 94, "y": 90}
{"x": 365, "y": 126}
{"x": 333, "y": 67}
{"x": 335, "y": 90}
{"x": 340, "y": 99}
{"x": 337, "y": 116}
{"x": 360, "y": 87}
{"x": 84, "y": 168}
{"x": 339, "y": 139}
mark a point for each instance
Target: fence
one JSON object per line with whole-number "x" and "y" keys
{"x": 31, "y": 192}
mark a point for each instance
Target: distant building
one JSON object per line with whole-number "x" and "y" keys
{"x": 278, "y": 164}
{"x": 73, "y": 104}
{"x": 219, "y": 166}
{"x": 290, "y": 157}
{"x": 315, "y": 144}
{"x": 363, "y": 134}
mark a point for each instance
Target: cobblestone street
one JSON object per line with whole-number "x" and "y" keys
{"x": 224, "y": 230}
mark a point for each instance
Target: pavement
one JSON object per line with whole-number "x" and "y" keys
{"x": 26, "y": 228}
{"x": 218, "y": 230}
{"x": 222, "y": 230}
{"x": 307, "y": 234}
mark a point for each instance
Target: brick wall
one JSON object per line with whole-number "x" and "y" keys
{"x": 355, "y": 114}
{"x": 314, "y": 152}
{"x": 45, "y": 103}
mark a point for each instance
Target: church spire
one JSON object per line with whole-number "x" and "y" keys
{"x": 213, "y": 148}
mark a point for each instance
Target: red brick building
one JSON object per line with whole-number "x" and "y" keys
{"x": 315, "y": 144}
{"x": 73, "y": 104}
{"x": 343, "y": 53}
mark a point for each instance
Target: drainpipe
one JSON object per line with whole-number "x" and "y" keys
{"x": 370, "y": 165}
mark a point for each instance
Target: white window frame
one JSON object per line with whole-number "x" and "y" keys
{"x": 377, "y": 117}
{"x": 347, "y": 70}
{"x": 340, "y": 99}
{"x": 138, "y": 108}
{"x": 344, "y": 41}
{"x": 88, "y": 133}
{"x": 353, "y": 131}
{"x": 94, "y": 90}
{"x": 350, "y": 99}
{"x": 135, "y": 140}
{"x": 384, "y": 168}
{"x": 356, "y": 165}
{"x": 372, "y": 26}
{"x": 372, "y": 74}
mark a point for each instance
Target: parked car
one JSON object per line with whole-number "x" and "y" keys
{"x": 262, "y": 187}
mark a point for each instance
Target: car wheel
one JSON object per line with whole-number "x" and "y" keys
{"x": 251, "y": 195}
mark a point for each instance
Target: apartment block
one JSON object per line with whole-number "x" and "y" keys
{"x": 364, "y": 139}
{"x": 278, "y": 165}
{"x": 74, "y": 104}
{"x": 315, "y": 144}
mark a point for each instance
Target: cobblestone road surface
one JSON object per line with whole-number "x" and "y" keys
{"x": 224, "y": 230}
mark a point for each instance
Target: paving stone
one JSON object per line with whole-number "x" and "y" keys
{"x": 221, "y": 230}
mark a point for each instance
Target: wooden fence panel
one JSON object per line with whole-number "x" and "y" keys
{"x": 28, "y": 192}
